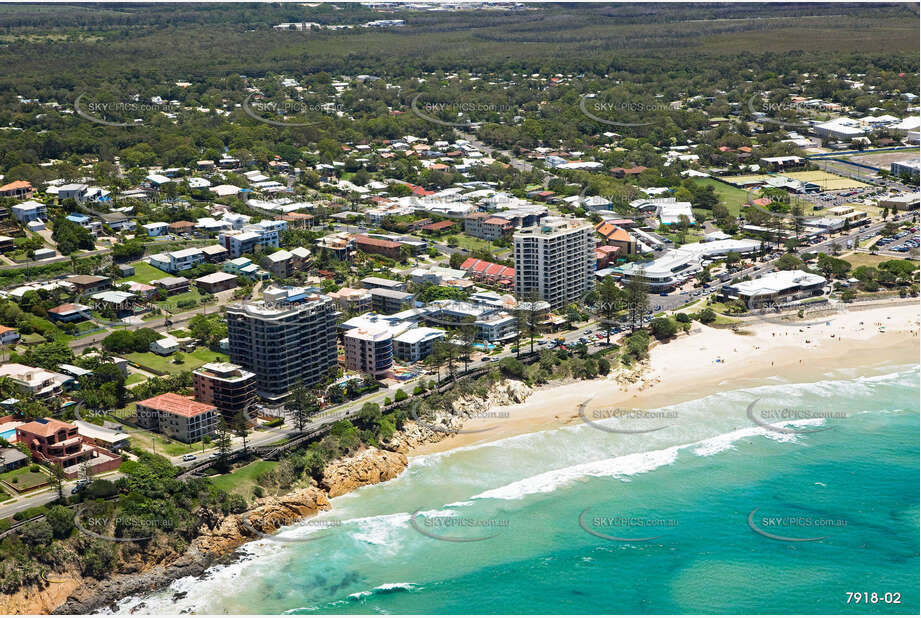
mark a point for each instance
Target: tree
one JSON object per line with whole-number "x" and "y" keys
{"x": 789, "y": 261}
{"x": 663, "y": 328}
{"x": 61, "y": 520}
{"x": 456, "y": 260}
{"x": 240, "y": 423}
{"x": 610, "y": 302}
{"x": 447, "y": 351}
{"x": 304, "y": 404}
{"x": 467, "y": 334}
{"x": 223, "y": 443}
{"x": 57, "y": 480}
{"x": 637, "y": 299}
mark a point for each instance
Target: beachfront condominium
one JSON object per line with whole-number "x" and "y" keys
{"x": 283, "y": 343}
{"x": 555, "y": 260}
{"x": 228, "y": 387}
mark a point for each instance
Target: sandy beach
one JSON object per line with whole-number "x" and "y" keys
{"x": 710, "y": 360}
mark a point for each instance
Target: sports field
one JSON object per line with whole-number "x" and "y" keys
{"x": 826, "y": 180}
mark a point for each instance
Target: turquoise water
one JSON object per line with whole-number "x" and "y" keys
{"x": 692, "y": 486}
{"x": 8, "y": 435}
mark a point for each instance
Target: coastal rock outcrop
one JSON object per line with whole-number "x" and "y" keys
{"x": 504, "y": 393}
{"x": 368, "y": 467}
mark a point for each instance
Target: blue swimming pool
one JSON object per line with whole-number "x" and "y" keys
{"x": 8, "y": 435}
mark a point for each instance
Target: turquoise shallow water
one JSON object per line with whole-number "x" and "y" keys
{"x": 692, "y": 486}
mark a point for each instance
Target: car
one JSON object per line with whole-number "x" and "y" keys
{"x": 81, "y": 484}
{"x": 189, "y": 457}
{"x": 494, "y": 360}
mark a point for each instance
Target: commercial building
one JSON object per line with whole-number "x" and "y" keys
{"x": 283, "y": 343}
{"x": 369, "y": 350}
{"x": 228, "y": 387}
{"x": 177, "y": 417}
{"x": 777, "y": 287}
{"x": 555, "y": 260}
{"x": 678, "y": 265}
{"x": 912, "y": 167}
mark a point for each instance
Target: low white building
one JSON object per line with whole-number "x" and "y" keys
{"x": 775, "y": 288}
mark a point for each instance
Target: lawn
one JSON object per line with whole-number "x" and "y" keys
{"x": 24, "y": 479}
{"x": 135, "y": 378}
{"x": 470, "y": 243}
{"x": 159, "y": 444}
{"x": 172, "y": 303}
{"x": 866, "y": 259}
{"x": 732, "y": 198}
{"x": 165, "y": 364}
{"x": 243, "y": 480}
{"x": 145, "y": 273}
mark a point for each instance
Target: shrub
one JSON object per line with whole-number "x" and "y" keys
{"x": 663, "y": 328}
{"x": 400, "y": 396}
{"x": 707, "y": 316}
{"x": 33, "y": 468}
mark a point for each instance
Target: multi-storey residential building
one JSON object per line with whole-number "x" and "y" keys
{"x": 228, "y": 387}
{"x": 369, "y": 350}
{"x": 178, "y": 417}
{"x": 555, "y": 260}
{"x": 252, "y": 236}
{"x": 486, "y": 226}
{"x": 352, "y": 300}
{"x": 416, "y": 343}
{"x": 283, "y": 343}
{"x": 178, "y": 261}
{"x": 389, "y": 301}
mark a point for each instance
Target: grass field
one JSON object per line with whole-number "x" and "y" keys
{"x": 135, "y": 378}
{"x": 827, "y": 180}
{"x": 732, "y": 198}
{"x": 865, "y": 259}
{"x": 243, "y": 480}
{"x": 165, "y": 364}
{"x": 172, "y": 303}
{"x": 159, "y": 444}
{"x": 23, "y": 480}
{"x": 145, "y": 273}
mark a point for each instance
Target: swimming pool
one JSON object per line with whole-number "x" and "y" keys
{"x": 8, "y": 435}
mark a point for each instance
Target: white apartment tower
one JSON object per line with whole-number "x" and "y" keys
{"x": 555, "y": 259}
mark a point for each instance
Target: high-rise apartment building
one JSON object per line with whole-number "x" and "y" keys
{"x": 555, "y": 259}
{"x": 283, "y": 343}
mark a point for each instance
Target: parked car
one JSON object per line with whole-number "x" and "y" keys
{"x": 189, "y": 457}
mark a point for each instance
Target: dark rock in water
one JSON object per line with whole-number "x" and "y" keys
{"x": 180, "y": 595}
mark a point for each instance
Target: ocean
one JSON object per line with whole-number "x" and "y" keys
{"x": 813, "y": 507}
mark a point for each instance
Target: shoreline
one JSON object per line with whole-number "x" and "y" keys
{"x": 760, "y": 354}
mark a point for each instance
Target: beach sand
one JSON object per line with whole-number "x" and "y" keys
{"x": 710, "y": 360}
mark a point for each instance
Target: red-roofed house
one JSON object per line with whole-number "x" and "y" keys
{"x": 388, "y": 248}
{"x": 605, "y": 254}
{"x": 438, "y": 226}
{"x": 487, "y": 271}
{"x": 620, "y": 172}
{"x": 56, "y": 442}
{"x": 18, "y": 189}
{"x": 178, "y": 417}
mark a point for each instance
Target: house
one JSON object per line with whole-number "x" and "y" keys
{"x": 165, "y": 346}
{"x": 172, "y": 285}
{"x": 125, "y": 270}
{"x": 158, "y": 228}
{"x": 438, "y": 227}
{"x": 109, "y": 439}
{"x": 352, "y": 300}
{"x": 616, "y": 236}
{"x": 11, "y": 459}
{"x": 18, "y": 189}
{"x": 488, "y": 271}
{"x": 8, "y": 335}
{"x": 298, "y": 220}
{"x": 178, "y": 417}
{"x": 279, "y": 263}
{"x": 75, "y": 192}
{"x": 216, "y": 282}
{"x": 7, "y": 243}
{"x": 86, "y": 222}
{"x": 69, "y": 312}
{"x": 55, "y": 442}
{"x": 89, "y": 284}
{"x": 181, "y": 227}
{"x": 120, "y": 302}
{"x": 141, "y": 289}
{"x": 30, "y": 211}
{"x": 215, "y": 254}
{"x": 251, "y": 238}
{"x": 669, "y": 211}
{"x": 620, "y": 172}
{"x": 178, "y": 261}
{"x": 36, "y": 381}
